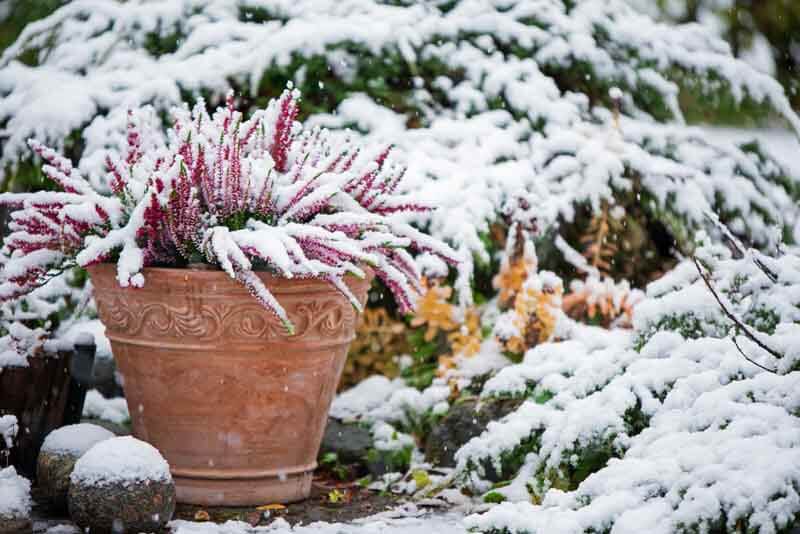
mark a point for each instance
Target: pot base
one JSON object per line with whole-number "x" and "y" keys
{"x": 287, "y": 488}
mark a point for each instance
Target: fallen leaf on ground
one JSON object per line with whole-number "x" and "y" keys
{"x": 276, "y": 506}
{"x": 201, "y": 515}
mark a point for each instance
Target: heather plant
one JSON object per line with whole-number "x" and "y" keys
{"x": 241, "y": 194}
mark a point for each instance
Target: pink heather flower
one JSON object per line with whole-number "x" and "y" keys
{"x": 134, "y": 142}
{"x": 300, "y": 202}
{"x": 282, "y": 136}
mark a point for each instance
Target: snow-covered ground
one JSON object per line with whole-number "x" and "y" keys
{"x": 391, "y": 522}
{"x": 98, "y": 407}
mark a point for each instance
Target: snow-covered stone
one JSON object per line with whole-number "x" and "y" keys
{"x": 121, "y": 459}
{"x": 75, "y": 439}
{"x": 121, "y": 484}
{"x": 61, "y": 449}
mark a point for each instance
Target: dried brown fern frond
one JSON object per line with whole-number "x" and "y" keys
{"x": 599, "y": 240}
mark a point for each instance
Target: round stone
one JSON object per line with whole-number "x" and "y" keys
{"x": 121, "y": 485}
{"x": 60, "y": 450}
{"x": 15, "y": 503}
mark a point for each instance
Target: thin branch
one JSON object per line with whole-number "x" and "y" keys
{"x": 739, "y": 324}
{"x": 737, "y": 247}
{"x": 766, "y": 270}
{"x": 751, "y": 360}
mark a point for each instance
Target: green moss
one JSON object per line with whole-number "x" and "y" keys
{"x": 494, "y": 497}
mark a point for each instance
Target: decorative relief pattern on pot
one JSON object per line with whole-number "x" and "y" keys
{"x": 324, "y": 318}
{"x": 200, "y": 320}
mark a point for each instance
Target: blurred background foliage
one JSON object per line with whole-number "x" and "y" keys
{"x": 766, "y": 33}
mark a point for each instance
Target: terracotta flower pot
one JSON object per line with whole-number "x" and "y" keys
{"x": 236, "y": 405}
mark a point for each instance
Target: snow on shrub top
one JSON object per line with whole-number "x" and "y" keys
{"x": 239, "y": 193}
{"x": 762, "y": 292}
{"x": 26, "y": 323}
{"x": 75, "y": 439}
{"x": 15, "y": 497}
{"x": 123, "y": 459}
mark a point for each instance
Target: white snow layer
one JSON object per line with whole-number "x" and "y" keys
{"x": 83, "y": 330}
{"x": 8, "y": 429}
{"x": 12, "y": 358}
{"x": 75, "y": 439}
{"x": 120, "y": 460}
{"x": 378, "y": 399}
{"x": 15, "y": 495}
{"x": 96, "y": 406}
{"x": 384, "y": 523}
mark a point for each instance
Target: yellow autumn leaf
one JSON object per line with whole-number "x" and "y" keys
{"x": 421, "y": 477}
{"x": 267, "y": 507}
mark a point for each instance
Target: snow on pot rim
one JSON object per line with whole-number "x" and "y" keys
{"x": 75, "y": 439}
{"x": 121, "y": 459}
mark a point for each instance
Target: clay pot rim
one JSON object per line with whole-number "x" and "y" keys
{"x": 209, "y": 268}
{"x": 277, "y": 284}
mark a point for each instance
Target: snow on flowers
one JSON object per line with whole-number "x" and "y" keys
{"x": 242, "y": 194}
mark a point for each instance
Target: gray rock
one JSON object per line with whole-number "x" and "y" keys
{"x": 349, "y": 441}
{"x": 121, "y": 485}
{"x": 52, "y": 474}
{"x": 124, "y": 507}
{"x": 462, "y": 423}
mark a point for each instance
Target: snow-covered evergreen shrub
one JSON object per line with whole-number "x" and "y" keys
{"x": 657, "y": 427}
{"x": 232, "y": 192}
{"x": 28, "y": 323}
{"x": 761, "y": 291}
{"x": 684, "y": 435}
{"x": 766, "y": 34}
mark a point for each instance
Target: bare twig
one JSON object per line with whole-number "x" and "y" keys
{"x": 739, "y": 324}
{"x": 750, "y": 359}
{"x": 738, "y": 248}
